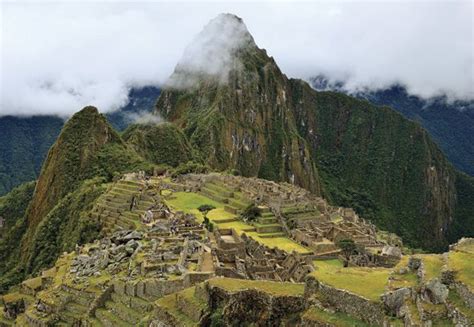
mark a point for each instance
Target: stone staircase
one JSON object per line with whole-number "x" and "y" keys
{"x": 233, "y": 199}
{"x": 268, "y": 225}
{"x": 299, "y": 215}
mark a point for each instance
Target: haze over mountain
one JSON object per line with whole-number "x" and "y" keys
{"x": 430, "y": 52}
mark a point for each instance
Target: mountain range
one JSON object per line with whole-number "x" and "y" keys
{"x": 228, "y": 108}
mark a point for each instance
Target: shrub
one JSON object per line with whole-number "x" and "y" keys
{"x": 251, "y": 213}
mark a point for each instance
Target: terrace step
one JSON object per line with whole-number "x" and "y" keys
{"x": 221, "y": 189}
{"x": 132, "y": 302}
{"x": 212, "y": 195}
{"x": 123, "y": 312}
{"x": 270, "y": 228}
{"x": 267, "y": 220}
{"x": 272, "y": 235}
{"x": 109, "y": 319}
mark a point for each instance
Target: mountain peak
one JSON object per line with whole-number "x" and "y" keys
{"x": 213, "y": 52}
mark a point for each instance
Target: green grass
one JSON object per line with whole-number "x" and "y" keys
{"x": 274, "y": 288}
{"x": 337, "y": 319}
{"x": 463, "y": 264}
{"x": 433, "y": 264}
{"x": 367, "y": 282}
{"x": 187, "y": 201}
{"x": 282, "y": 243}
{"x": 455, "y": 299}
{"x": 219, "y": 214}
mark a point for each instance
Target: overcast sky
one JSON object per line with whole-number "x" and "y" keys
{"x": 58, "y": 57}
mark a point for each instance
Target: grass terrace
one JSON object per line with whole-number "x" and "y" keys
{"x": 274, "y": 288}
{"x": 463, "y": 264}
{"x": 337, "y": 319}
{"x": 433, "y": 264}
{"x": 367, "y": 282}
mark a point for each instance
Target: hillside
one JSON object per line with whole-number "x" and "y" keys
{"x": 450, "y": 123}
{"x": 257, "y": 121}
{"x": 25, "y": 141}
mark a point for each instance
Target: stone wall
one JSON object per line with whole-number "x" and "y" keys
{"x": 347, "y": 302}
{"x": 465, "y": 294}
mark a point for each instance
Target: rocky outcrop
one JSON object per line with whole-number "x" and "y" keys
{"x": 253, "y": 306}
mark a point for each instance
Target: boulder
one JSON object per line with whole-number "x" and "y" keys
{"x": 436, "y": 292}
{"x": 394, "y": 301}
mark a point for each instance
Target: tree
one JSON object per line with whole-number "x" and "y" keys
{"x": 348, "y": 247}
{"x": 251, "y": 213}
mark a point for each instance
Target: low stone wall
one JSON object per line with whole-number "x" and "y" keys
{"x": 149, "y": 288}
{"x": 193, "y": 278}
{"x": 347, "y": 302}
{"x": 465, "y": 294}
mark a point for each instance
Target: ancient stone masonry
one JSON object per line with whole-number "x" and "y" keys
{"x": 294, "y": 212}
{"x": 243, "y": 257}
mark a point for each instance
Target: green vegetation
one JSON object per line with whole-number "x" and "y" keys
{"x": 336, "y": 319}
{"x": 161, "y": 144}
{"x": 190, "y": 202}
{"x": 433, "y": 264}
{"x": 463, "y": 264}
{"x": 12, "y": 208}
{"x": 367, "y": 282}
{"x": 347, "y": 246}
{"x": 251, "y": 213}
{"x": 66, "y": 225}
{"x": 24, "y": 143}
{"x": 274, "y": 288}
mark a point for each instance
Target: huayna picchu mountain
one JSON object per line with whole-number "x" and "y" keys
{"x": 247, "y": 115}
{"x": 260, "y": 200}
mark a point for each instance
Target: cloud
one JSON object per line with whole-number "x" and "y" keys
{"x": 211, "y": 52}
{"x": 144, "y": 117}
{"x": 57, "y": 58}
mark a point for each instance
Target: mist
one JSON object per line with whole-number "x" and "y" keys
{"x": 59, "y": 57}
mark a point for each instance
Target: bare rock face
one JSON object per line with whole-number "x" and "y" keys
{"x": 436, "y": 292}
{"x": 394, "y": 301}
{"x": 254, "y": 307}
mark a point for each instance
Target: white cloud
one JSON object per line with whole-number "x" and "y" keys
{"x": 57, "y": 58}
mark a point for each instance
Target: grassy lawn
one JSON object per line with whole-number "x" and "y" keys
{"x": 433, "y": 264}
{"x": 187, "y": 201}
{"x": 219, "y": 214}
{"x": 337, "y": 319}
{"x": 463, "y": 264}
{"x": 367, "y": 282}
{"x": 282, "y": 243}
{"x": 275, "y": 288}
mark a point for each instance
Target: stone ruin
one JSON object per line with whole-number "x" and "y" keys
{"x": 242, "y": 257}
{"x": 307, "y": 219}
